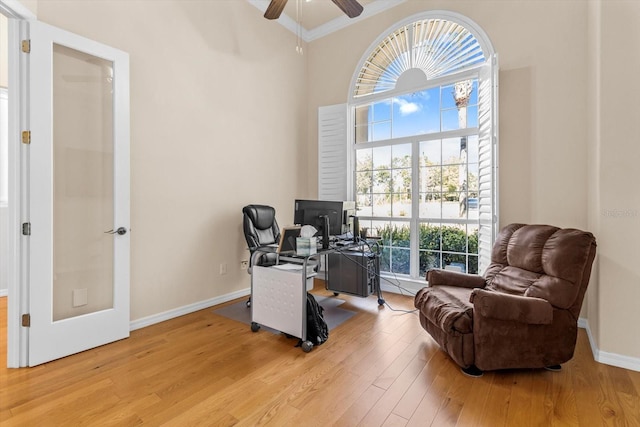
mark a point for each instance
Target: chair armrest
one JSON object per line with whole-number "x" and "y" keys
{"x": 496, "y": 305}
{"x": 437, "y": 277}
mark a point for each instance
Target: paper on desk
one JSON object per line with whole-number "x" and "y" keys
{"x": 288, "y": 266}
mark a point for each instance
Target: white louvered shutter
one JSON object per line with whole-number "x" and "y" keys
{"x": 488, "y": 162}
{"x": 333, "y": 153}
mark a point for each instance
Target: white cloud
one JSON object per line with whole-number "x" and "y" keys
{"x": 407, "y": 107}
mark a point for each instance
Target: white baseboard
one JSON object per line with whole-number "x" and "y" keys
{"x": 181, "y": 311}
{"x": 613, "y": 359}
{"x": 4, "y": 292}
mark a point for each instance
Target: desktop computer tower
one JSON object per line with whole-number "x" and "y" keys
{"x": 353, "y": 272}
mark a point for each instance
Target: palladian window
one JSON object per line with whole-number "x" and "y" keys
{"x": 423, "y": 145}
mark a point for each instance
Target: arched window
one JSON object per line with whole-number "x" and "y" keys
{"x": 423, "y": 136}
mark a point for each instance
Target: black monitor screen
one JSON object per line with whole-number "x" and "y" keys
{"x": 311, "y": 212}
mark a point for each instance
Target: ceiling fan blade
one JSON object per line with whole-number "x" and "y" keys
{"x": 351, "y": 7}
{"x": 275, "y": 9}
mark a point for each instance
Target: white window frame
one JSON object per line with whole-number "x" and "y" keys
{"x": 414, "y": 220}
{"x": 489, "y": 207}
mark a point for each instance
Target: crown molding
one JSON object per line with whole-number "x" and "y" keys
{"x": 332, "y": 26}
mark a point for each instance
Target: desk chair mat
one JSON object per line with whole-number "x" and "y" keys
{"x": 333, "y": 314}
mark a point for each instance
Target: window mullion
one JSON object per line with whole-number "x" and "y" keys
{"x": 415, "y": 209}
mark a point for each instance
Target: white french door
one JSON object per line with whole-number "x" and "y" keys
{"x": 78, "y": 204}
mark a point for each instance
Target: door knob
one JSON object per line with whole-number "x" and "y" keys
{"x": 120, "y": 231}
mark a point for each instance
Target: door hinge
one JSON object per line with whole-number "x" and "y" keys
{"x": 26, "y": 46}
{"x": 26, "y": 137}
{"x": 26, "y": 320}
{"x": 26, "y": 229}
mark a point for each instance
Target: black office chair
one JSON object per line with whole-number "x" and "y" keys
{"x": 260, "y": 229}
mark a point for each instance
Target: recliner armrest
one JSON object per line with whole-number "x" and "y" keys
{"x": 436, "y": 277}
{"x": 496, "y": 305}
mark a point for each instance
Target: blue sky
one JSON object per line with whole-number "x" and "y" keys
{"x": 428, "y": 111}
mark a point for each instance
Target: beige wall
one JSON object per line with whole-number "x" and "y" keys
{"x": 614, "y": 36}
{"x": 218, "y": 120}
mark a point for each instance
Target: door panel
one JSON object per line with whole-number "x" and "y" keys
{"x": 79, "y": 194}
{"x": 82, "y": 183}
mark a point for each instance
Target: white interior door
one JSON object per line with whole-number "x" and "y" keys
{"x": 78, "y": 194}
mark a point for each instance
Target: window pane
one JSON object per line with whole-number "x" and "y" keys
{"x": 401, "y": 156}
{"x": 401, "y": 205}
{"x": 361, "y": 134}
{"x": 473, "y": 264}
{"x": 452, "y": 149}
{"x": 401, "y": 180}
{"x": 362, "y": 115}
{"x": 400, "y": 261}
{"x": 416, "y": 113}
{"x": 382, "y": 157}
{"x": 364, "y": 160}
{"x": 381, "y": 131}
{"x": 453, "y": 246}
{"x": 382, "y": 181}
{"x": 472, "y": 148}
{"x": 454, "y": 238}
{"x": 430, "y": 236}
{"x": 381, "y": 205}
{"x": 472, "y": 179}
{"x": 448, "y": 97}
{"x": 455, "y": 262}
{"x": 430, "y": 247}
{"x": 473, "y": 99}
{"x": 430, "y": 152}
{"x": 373, "y": 122}
{"x": 381, "y": 111}
{"x": 395, "y": 247}
{"x": 430, "y": 205}
{"x": 450, "y": 120}
{"x": 431, "y": 179}
{"x": 429, "y": 260}
{"x": 472, "y": 116}
{"x": 364, "y": 205}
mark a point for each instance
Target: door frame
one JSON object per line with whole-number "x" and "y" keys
{"x": 17, "y": 253}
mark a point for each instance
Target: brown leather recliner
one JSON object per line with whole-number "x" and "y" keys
{"x": 524, "y": 312}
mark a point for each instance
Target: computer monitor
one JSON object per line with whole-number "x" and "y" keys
{"x": 314, "y": 212}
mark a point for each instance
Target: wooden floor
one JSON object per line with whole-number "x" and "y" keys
{"x": 380, "y": 368}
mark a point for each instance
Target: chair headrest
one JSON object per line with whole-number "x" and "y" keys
{"x": 261, "y": 216}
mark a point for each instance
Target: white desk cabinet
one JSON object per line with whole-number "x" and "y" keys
{"x": 279, "y": 300}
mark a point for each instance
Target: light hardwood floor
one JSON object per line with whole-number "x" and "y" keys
{"x": 380, "y": 368}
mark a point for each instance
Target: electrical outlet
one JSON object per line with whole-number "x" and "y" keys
{"x": 223, "y": 268}
{"x": 244, "y": 265}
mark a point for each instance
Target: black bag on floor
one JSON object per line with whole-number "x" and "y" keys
{"x": 317, "y": 329}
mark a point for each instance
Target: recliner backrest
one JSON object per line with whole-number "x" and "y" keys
{"x": 260, "y": 225}
{"x": 542, "y": 261}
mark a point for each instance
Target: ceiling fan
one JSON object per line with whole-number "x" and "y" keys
{"x": 350, "y": 7}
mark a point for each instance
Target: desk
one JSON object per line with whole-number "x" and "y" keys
{"x": 279, "y": 296}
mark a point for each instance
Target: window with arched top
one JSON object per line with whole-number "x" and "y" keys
{"x": 421, "y": 153}
{"x": 415, "y": 53}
